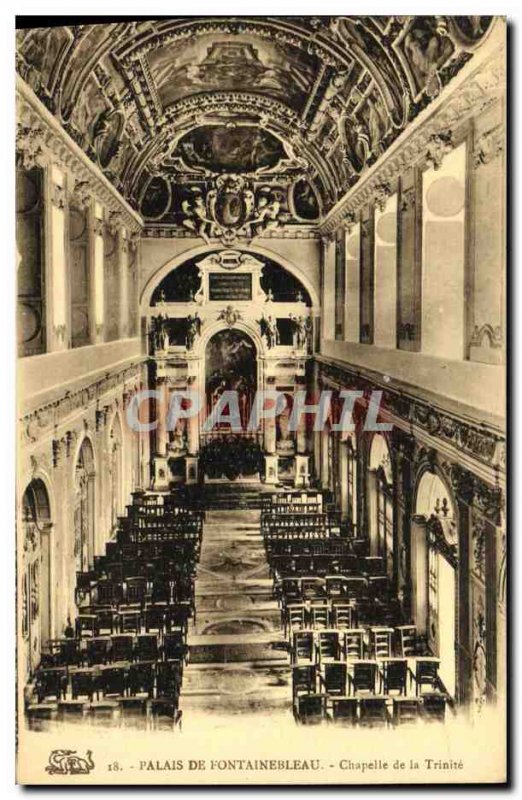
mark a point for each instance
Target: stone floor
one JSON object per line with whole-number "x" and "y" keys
{"x": 238, "y": 661}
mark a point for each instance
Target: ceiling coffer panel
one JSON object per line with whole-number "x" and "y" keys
{"x": 298, "y": 107}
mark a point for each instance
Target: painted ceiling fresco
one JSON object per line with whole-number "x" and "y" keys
{"x": 295, "y": 107}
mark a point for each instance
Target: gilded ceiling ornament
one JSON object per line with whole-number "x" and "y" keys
{"x": 231, "y": 210}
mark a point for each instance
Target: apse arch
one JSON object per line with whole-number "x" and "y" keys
{"x": 202, "y": 250}
{"x": 35, "y": 584}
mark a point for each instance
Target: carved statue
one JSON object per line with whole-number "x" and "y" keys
{"x": 269, "y": 330}
{"x": 193, "y": 330}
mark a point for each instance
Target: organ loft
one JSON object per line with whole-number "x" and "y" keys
{"x": 261, "y": 358}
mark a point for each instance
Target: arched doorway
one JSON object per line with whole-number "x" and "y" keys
{"x": 434, "y": 542}
{"x": 36, "y": 578}
{"x": 116, "y": 469}
{"x": 380, "y": 498}
{"x": 84, "y": 509}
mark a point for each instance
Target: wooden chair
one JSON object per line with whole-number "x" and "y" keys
{"x": 406, "y": 640}
{"x": 51, "y": 683}
{"x": 291, "y": 591}
{"x": 363, "y": 676}
{"x": 155, "y": 616}
{"x": 394, "y": 674}
{"x": 304, "y": 679}
{"x": 328, "y": 648}
{"x": 129, "y": 619}
{"x": 373, "y": 712}
{"x": 426, "y": 673}
{"x": 133, "y": 712}
{"x": 105, "y": 620}
{"x": 318, "y": 616}
{"x": 83, "y": 683}
{"x": 147, "y": 647}
{"x": 333, "y": 678}
{"x": 165, "y": 713}
{"x": 336, "y": 587}
{"x": 112, "y": 680}
{"x": 86, "y": 625}
{"x": 65, "y": 652}
{"x": 356, "y": 587}
{"x": 136, "y": 591}
{"x": 310, "y": 709}
{"x": 141, "y": 677}
{"x": 177, "y": 616}
{"x": 344, "y": 710}
{"x": 174, "y": 647}
{"x": 312, "y": 588}
{"x": 98, "y": 650}
{"x": 302, "y": 646}
{"x": 406, "y": 710}
{"x": 381, "y": 642}
{"x": 108, "y": 593}
{"x": 354, "y": 644}
{"x": 341, "y": 616}
{"x": 122, "y": 648}
{"x": 169, "y": 675}
{"x": 434, "y": 706}
{"x": 294, "y": 618}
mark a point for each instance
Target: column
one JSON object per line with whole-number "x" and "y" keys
{"x": 328, "y": 289}
{"x": 193, "y": 423}
{"x": 343, "y": 477}
{"x": 57, "y": 275}
{"x": 124, "y": 286}
{"x": 161, "y": 415}
{"x": 97, "y": 289}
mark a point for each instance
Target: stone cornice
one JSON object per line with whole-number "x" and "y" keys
{"x": 32, "y": 114}
{"x": 479, "y": 445}
{"x": 47, "y": 417}
{"x": 472, "y": 90}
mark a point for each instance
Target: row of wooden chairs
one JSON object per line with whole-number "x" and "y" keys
{"x": 313, "y": 588}
{"x": 332, "y": 644}
{"x": 364, "y": 712}
{"x": 385, "y": 676}
{"x": 121, "y": 647}
{"x": 138, "y": 712}
{"x": 154, "y": 678}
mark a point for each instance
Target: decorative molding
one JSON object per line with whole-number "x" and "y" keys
{"x": 440, "y": 144}
{"x": 29, "y": 150}
{"x": 489, "y": 146}
{"x": 39, "y": 422}
{"x": 469, "y": 94}
{"x": 57, "y": 196}
{"x": 97, "y": 226}
{"x": 81, "y": 195}
{"x": 492, "y": 335}
{"x": 478, "y": 441}
{"x": 39, "y": 131}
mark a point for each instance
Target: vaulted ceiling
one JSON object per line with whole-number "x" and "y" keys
{"x": 312, "y": 100}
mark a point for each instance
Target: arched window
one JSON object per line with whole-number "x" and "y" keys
{"x": 84, "y": 510}
{"x": 380, "y": 495}
{"x": 434, "y": 542}
{"x": 35, "y": 581}
{"x": 116, "y": 470}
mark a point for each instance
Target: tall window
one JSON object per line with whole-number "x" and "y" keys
{"x": 31, "y": 273}
{"x": 340, "y": 280}
{"x": 80, "y": 278}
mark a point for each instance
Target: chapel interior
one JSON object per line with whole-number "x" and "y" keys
{"x": 287, "y": 204}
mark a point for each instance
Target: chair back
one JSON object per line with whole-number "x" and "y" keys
{"x": 335, "y": 677}
{"x": 354, "y": 643}
{"x": 303, "y": 646}
{"x": 364, "y": 674}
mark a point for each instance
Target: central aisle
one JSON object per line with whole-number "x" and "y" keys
{"x": 238, "y": 664}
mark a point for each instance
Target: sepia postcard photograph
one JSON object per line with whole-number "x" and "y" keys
{"x": 261, "y": 415}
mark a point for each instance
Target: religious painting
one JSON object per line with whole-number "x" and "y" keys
{"x": 230, "y": 148}
{"x": 231, "y": 365}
